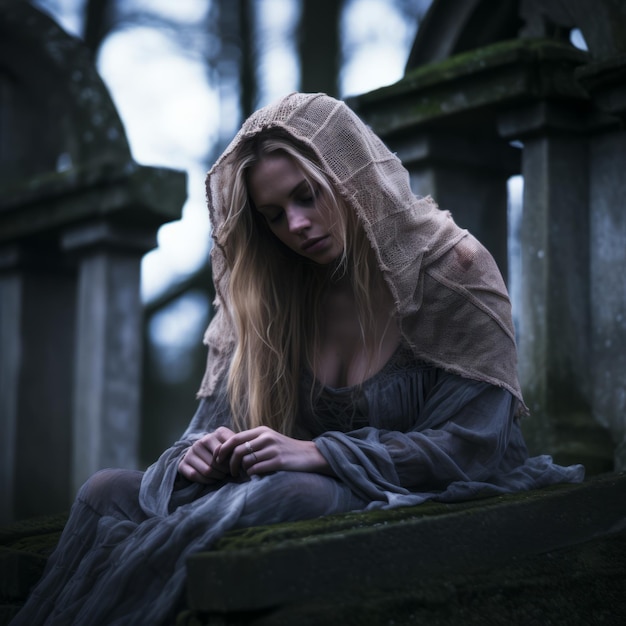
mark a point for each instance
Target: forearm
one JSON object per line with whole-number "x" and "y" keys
{"x": 465, "y": 443}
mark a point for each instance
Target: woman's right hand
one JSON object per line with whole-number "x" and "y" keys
{"x": 199, "y": 464}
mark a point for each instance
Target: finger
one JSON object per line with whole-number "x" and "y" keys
{"x": 218, "y": 439}
{"x": 211, "y": 459}
{"x": 209, "y": 443}
{"x": 197, "y": 463}
{"x": 208, "y": 450}
{"x": 237, "y": 457}
{"x": 187, "y": 470}
{"x": 228, "y": 446}
{"x": 223, "y": 434}
{"x": 248, "y": 455}
{"x": 201, "y": 452}
{"x": 235, "y": 460}
{"x": 251, "y": 461}
{"x": 222, "y": 457}
{"x": 200, "y": 460}
{"x": 237, "y": 439}
{"x": 263, "y": 465}
{"x": 197, "y": 470}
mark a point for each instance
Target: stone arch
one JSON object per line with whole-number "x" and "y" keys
{"x": 56, "y": 110}
{"x": 451, "y": 27}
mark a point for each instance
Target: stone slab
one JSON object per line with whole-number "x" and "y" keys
{"x": 135, "y": 195}
{"x": 385, "y": 550}
{"x": 467, "y": 90}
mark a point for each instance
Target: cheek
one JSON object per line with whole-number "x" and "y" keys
{"x": 333, "y": 228}
{"x": 279, "y": 232}
{"x": 283, "y": 237}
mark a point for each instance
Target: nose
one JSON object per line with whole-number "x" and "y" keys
{"x": 298, "y": 220}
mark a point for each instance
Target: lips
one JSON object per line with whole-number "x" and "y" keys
{"x": 310, "y": 243}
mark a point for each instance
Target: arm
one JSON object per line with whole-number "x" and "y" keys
{"x": 460, "y": 432}
{"x": 162, "y": 476}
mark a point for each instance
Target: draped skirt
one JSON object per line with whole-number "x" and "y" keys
{"x": 117, "y": 564}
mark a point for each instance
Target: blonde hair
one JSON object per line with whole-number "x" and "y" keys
{"x": 275, "y": 294}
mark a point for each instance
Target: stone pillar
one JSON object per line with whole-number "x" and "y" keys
{"x": 449, "y": 122}
{"x": 71, "y": 319}
{"x": 36, "y": 369}
{"x": 107, "y": 376}
{"x": 608, "y": 287}
{"x": 467, "y": 176}
{"x": 606, "y": 82}
{"x": 555, "y": 317}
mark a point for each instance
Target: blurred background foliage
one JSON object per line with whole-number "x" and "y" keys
{"x": 184, "y": 75}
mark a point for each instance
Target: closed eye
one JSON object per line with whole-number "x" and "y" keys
{"x": 308, "y": 194}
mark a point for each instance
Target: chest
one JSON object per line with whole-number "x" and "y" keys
{"x": 393, "y": 399}
{"x": 348, "y": 353}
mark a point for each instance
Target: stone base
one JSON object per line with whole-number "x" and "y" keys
{"x": 24, "y": 550}
{"x": 552, "y": 556}
{"x": 584, "y": 585}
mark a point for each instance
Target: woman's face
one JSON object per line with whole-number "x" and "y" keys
{"x": 282, "y": 195}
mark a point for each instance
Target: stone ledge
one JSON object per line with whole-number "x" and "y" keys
{"x": 129, "y": 193}
{"x": 467, "y": 91}
{"x": 399, "y": 552}
{"x": 575, "y": 586}
{"x": 556, "y": 555}
{"x": 24, "y": 550}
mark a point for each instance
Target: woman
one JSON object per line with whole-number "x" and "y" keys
{"x": 361, "y": 356}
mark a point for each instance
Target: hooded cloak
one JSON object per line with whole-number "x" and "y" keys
{"x": 450, "y": 298}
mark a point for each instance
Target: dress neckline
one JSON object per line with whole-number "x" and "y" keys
{"x": 400, "y": 351}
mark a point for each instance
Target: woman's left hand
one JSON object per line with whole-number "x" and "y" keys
{"x": 263, "y": 450}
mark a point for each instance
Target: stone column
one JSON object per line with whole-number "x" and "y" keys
{"x": 71, "y": 320}
{"x": 36, "y": 369}
{"x": 468, "y": 177}
{"x": 555, "y": 316}
{"x": 606, "y": 82}
{"x": 108, "y": 357}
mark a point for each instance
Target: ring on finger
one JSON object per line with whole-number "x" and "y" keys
{"x": 251, "y": 451}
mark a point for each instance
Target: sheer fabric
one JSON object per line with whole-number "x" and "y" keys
{"x": 422, "y": 434}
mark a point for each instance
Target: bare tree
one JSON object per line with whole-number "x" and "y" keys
{"x": 99, "y": 22}
{"x": 319, "y": 45}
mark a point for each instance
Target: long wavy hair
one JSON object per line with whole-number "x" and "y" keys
{"x": 275, "y": 294}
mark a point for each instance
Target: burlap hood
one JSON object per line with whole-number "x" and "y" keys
{"x": 451, "y": 300}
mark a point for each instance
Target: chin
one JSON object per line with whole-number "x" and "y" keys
{"x": 328, "y": 259}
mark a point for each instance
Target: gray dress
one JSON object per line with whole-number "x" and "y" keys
{"x": 409, "y": 434}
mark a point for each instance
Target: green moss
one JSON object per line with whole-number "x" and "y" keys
{"x": 479, "y": 60}
{"x": 44, "y": 531}
{"x": 473, "y": 86}
{"x": 308, "y": 530}
{"x": 53, "y": 183}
